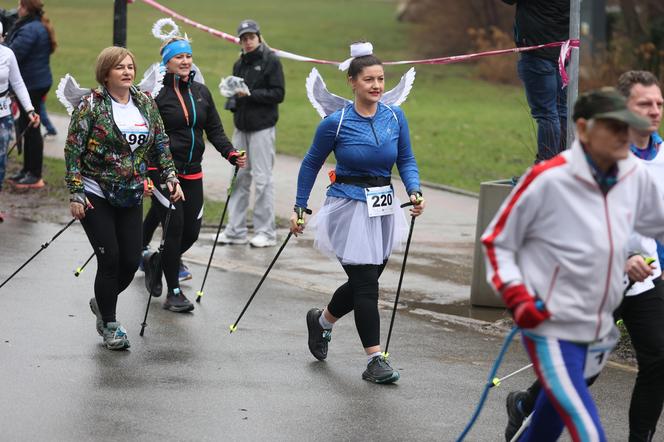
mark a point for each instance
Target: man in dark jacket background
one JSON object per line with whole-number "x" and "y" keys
{"x": 539, "y": 22}
{"x": 255, "y": 116}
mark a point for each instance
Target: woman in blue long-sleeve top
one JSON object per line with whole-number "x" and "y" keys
{"x": 360, "y": 222}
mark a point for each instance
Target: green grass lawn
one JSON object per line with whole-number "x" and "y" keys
{"x": 464, "y": 131}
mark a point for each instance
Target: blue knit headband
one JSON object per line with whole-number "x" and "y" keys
{"x": 174, "y": 48}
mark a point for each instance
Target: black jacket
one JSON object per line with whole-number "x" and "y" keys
{"x": 187, "y": 155}
{"x": 262, "y": 72}
{"x": 541, "y": 21}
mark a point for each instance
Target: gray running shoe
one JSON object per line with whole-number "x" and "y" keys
{"x": 115, "y": 336}
{"x": 95, "y": 309}
{"x": 177, "y": 302}
{"x": 379, "y": 371}
{"x": 318, "y": 336}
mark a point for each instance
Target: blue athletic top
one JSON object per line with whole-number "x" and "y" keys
{"x": 363, "y": 146}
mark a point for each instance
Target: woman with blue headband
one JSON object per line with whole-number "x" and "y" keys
{"x": 187, "y": 109}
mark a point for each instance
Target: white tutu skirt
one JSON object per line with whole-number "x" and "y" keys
{"x": 343, "y": 230}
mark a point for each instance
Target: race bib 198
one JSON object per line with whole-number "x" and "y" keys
{"x": 380, "y": 200}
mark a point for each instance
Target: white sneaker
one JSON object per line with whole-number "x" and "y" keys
{"x": 262, "y": 240}
{"x": 225, "y": 239}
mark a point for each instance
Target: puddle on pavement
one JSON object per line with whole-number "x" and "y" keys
{"x": 463, "y": 308}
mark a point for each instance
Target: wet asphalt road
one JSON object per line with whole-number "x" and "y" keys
{"x": 189, "y": 379}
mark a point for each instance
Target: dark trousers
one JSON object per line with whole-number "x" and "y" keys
{"x": 360, "y": 294}
{"x": 183, "y": 226}
{"x": 115, "y": 236}
{"x": 643, "y": 316}
{"x": 150, "y": 224}
{"x": 33, "y": 143}
{"x": 547, "y": 101}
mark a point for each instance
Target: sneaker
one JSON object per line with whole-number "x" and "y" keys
{"x": 177, "y": 302}
{"x": 152, "y": 269}
{"x": 318, "y": 336}
{"x": 515, "y": 413}
{"x": 29, "y": 181}
{"x": 16, "y": 176}
{"x": 184, "y": 274}
{"x": 115, "y": 336}
{"x": 100, "y": 322}
{"x": 262, "y": 240}
{"x": 379, "y": 371}
{"x": 225, "y": 239}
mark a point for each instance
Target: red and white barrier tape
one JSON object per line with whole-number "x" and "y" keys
{"x": 565, "y": 47}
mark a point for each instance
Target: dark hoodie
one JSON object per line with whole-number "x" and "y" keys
{"x": 262, "y": 72}
{"x": 539, "y": 22}
{"x": 185, "y": 130}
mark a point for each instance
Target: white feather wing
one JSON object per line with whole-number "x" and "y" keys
{"x": 321, "y": 99}
{"x": 153, "y": 80}
{"x": 70, "y": 93}
{"x": 399, "y": 93}
{"x": 199, "y": 75}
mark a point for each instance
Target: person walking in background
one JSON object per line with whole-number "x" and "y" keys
{"x": 46, "y": 122}
{"x": 33, "y": 41}
{"x": 113, "y": 134}
{"x": 188, "y": 111}
{"x": 539, "y": 22}
{"x": 255, "y": 116}
{"x": 10, "y": 76}
{"x": 642, "y": 310}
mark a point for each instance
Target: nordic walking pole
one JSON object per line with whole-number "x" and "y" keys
{"x": 216, "y": 238}
{"x": 403, "y": 268}
{"x": 18, "y": 139}
{"x": 300, "y": 220}
{"x": 79, "y": 270}
{"x": 43, "y": 246}
{"x": 496, "y": 381}
{"x": 157, "y": 274}
{"x": 522, "y": 428}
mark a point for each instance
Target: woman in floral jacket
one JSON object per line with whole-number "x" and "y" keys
{"x": 113, "y": 134}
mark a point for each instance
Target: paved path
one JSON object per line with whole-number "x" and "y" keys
{"x": 188, "y": 379}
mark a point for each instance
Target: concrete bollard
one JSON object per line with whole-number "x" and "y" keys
{"x": 492, "y": 195}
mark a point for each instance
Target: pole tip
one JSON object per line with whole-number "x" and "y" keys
{"x": 495, "y": 382}
{"x": 385, "y": 355}
{"x": 233, "y": 328}
{"x": 78, "y": 272}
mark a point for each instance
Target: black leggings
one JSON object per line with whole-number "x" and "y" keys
{"x": 115, "y": 236}
{"x": 183, "y": 226}
{"x": 643, "y": 316}
{"x": 33, "y": 143}
{"x": 150, "y": 224}
{"x": 360, "y": 294}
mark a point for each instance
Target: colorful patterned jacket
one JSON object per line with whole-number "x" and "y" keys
{"x": 96, "y": 149}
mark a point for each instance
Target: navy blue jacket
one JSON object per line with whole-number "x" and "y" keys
{"x": 30, "y": 42}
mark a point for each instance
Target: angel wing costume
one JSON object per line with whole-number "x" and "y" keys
{"x": 70, "y": 94}
{"x": 326, "y": 102}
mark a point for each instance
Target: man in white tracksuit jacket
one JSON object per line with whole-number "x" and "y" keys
{"x": 561, "y": 236}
